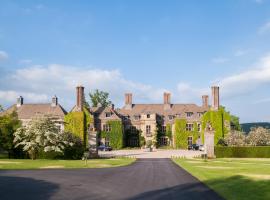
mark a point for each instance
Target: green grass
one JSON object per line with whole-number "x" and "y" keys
{"x": 52, "y": 164}
{"x": 232, "y": 178}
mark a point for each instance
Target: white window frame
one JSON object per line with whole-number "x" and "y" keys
{"x": 189, "y": 127}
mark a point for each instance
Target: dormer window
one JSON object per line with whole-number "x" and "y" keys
{"x": 148, "y": 116}
{"x": 189, "y": 114}
{"x": 108, "y": 114}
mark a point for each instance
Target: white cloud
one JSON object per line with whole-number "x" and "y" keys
{"x": 241, "y": 52}
{"x": 25, "y": 61}
{"x": 11, "y": 96}
{"x": 219, "y": 60}
{"x": 3, "y": 55}
{"x": 62, "y": 80}
{"x": 259, "y": 1}
{"x": 248, "y": 80}
{"x": 187, "y": 93}
{"x": 265, "y": 28}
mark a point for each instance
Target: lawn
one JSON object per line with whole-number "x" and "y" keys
{"x": 53, "y": 164}
{"x": 232, "y": 178}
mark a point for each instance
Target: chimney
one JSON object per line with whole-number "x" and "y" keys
{"x": 205, "y": 103}
{"x": 54, "y": 101}
{"x": 112, "y": 106}
{"x": 80, "y": 98}
{"x": 19, "y": 101}
{"x": 215, "y": 98}
{"x": 128, "y": 101}
{"x": 167, "y": 100}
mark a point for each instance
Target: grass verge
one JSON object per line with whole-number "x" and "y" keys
{"x": 232, "y": 178}
{"x": 53, "y": 164}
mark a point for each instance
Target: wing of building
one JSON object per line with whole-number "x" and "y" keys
{"x": 26, "y": 112}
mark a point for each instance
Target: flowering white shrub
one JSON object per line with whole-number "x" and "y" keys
{"x": 258, "y": 136}
{"x": 40, "y": 134}
{"x": 235, "y": 138}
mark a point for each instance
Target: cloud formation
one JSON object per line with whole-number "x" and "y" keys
{"x": 265, "y": 28}
{"x": 3, "y": 55}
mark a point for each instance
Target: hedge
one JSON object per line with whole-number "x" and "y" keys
{"x": 243, "y": 152}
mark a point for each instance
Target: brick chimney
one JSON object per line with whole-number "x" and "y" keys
{"x": 128, "y": 101}
{"x": 215, "y": 98}
{"x": 19, "y": 101}
{"x": 205, "y": 102}
{"x": 80, "y": 98}
{"x": 167, "y": 100}
{"x": 54, "y": 101}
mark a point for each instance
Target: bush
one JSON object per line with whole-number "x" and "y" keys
{"x": 243, "y": 152}
{"x": 75, "y": 151}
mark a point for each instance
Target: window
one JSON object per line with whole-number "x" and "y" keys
{"x": 163, "y": 141}
{"x": 107, "y": 142}
{"x": 137, "y": 117}
{"x": 199, "y": 127}
{"x": 148, "y": 131}
{"x": 189, "y": 140}
{"x": 108, "y": 114}
{"x": 148, "y": 115}
{"x": 163, "y": 129}
{"x": 171, "y": 117}
{"x": 189, "y": 127}
{"x": 189, "y": 114}
{"x": 106, "y": 127}
{"x": 133, "y": 129}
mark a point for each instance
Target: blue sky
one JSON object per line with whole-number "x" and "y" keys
{"x": 144, "y": 47}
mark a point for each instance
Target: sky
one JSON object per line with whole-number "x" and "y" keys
{"x": 145, "y": 47}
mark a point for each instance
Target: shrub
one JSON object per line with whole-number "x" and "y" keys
{"x": 74, "y": 151}
{"x": 243, "y": 152}
{"x": 235, "y": 138}
{"x": 259, "y": 136}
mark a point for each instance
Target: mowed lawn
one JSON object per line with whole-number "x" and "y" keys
{"x": 54, "y": 164}
{"x": 232, "y": 178}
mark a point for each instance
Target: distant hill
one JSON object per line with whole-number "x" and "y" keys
{"x": 247, "y": 126}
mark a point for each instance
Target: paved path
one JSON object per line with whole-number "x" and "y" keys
{"x": 159, "y": 153}
{"x": 145, "y": 179}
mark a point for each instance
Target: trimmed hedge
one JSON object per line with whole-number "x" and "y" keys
{"x": 243, "y": 152}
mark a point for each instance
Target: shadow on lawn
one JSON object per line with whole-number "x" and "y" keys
{"x": 25, "y": 188}
{"x": 241, "y": 187}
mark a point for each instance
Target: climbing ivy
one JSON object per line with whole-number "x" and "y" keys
{"x": 115, "y": 136}
{"x": 78, "y": 123}
{"x": 220, "y": 122}
{"x": 181, "y": 134}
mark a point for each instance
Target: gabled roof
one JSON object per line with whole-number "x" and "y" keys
{"x": 101, "y": 112}
{"x": 29, "y": 111}
{"x": 161, "y": 109}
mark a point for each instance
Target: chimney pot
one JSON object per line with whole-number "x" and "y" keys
{"x": 54, "y": 101}
{"x": 215, "y": 98}
{"x": 205, "y": 102}
{"x": 19, "y": 101}
{"x": 80, "y": 98}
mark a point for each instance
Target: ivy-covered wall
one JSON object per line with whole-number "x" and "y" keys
{"x": 181, "y": 134}
{"x": 78, "y": 123}
{"x": 115, "y": 136}
{"x": 220, "y": 122}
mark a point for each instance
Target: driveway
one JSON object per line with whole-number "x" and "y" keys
{"x": 145, "y": 179}
{"x": 158, "y": 153}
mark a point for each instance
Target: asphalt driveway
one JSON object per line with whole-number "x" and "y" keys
{"x": 145, "y": 179}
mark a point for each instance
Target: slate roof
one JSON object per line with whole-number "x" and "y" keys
{"x": 29, "y": 111}
{"x": 160, "y": 109}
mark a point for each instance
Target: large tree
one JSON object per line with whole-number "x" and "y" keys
{"x": 99, "y": 97}
{"x": 9, "y": 123}
{"x": 41, "y": 134}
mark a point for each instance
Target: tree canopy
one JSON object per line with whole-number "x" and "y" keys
{"x": 99, "y": 97}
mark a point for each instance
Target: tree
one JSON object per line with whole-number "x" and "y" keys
{"x": 1, "y": 108}
{"x": 259, "y": 136}
{"x": 235, "y": 138}
{"x": 9, "y": 123}
{"x": 41, "y": 134}
{"x": 74, "y": 149}
{"x": 100, "y": 97}
{"x": 235, "y": 122}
